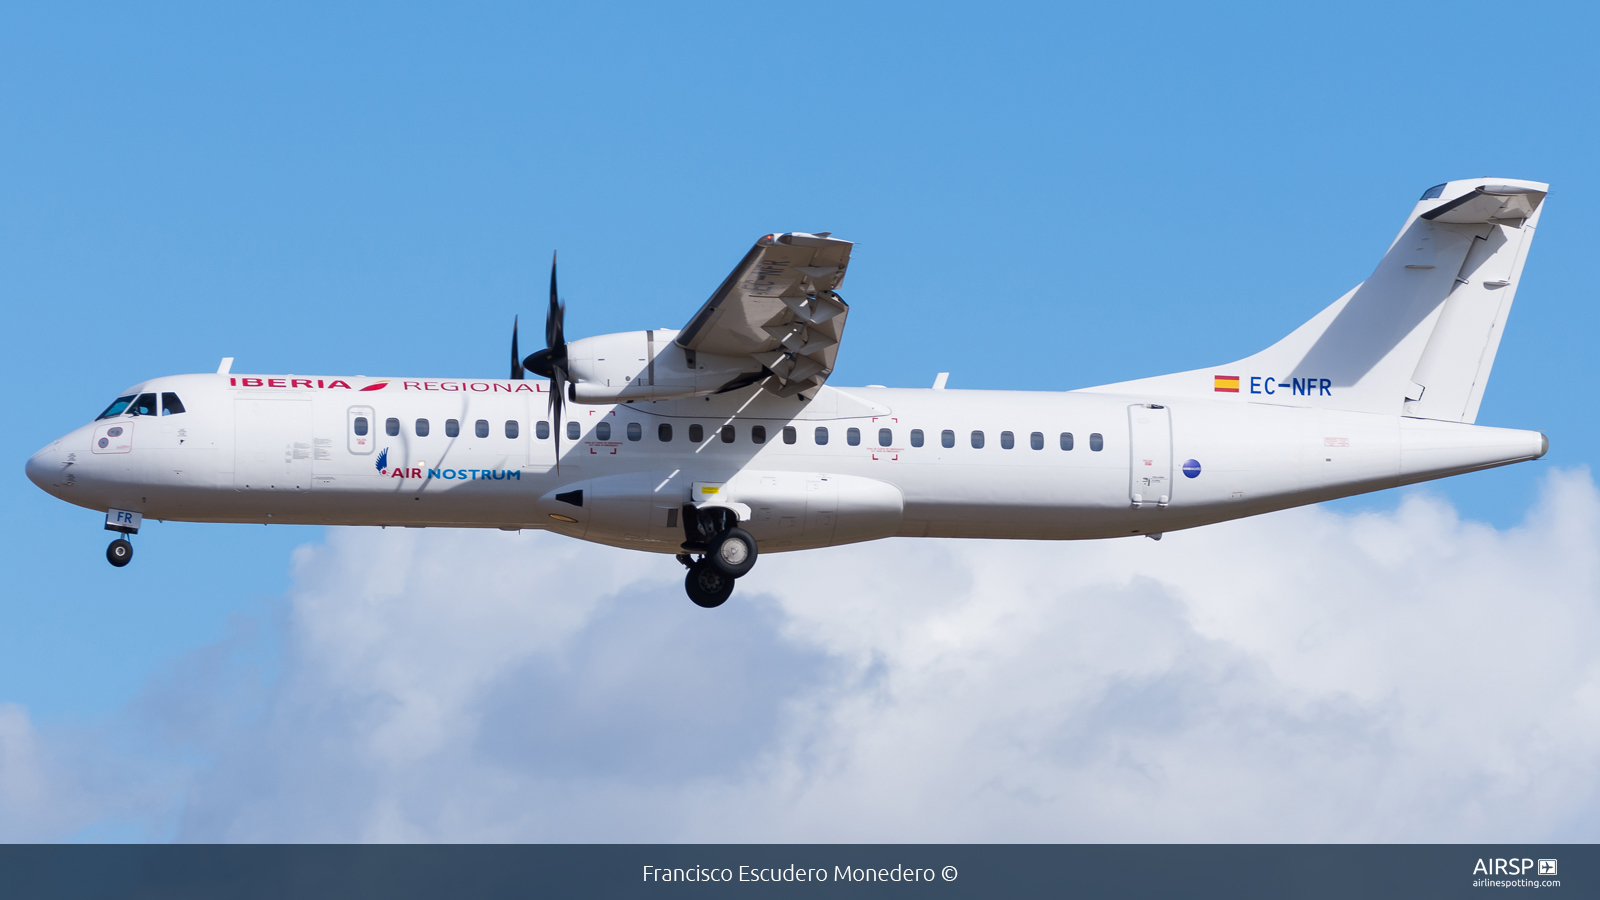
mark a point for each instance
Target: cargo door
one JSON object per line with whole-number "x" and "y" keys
{"x": 272, "y": 445}
{"x": 1150, "y": 464}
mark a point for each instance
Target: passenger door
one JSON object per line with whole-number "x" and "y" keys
{"x": 1150, "y": 462}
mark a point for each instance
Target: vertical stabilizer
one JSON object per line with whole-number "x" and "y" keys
{"x": 1419, "y": 336}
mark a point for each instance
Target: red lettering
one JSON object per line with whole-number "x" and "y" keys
{"x": 411, "y": 385}
{"x": 339, "y": 384}
{"x": 416, "y": 473}
{"x": 319, "y": 382}
{"x": 449, "y": 386}
{"x": 503, "y": 387}
{"x": 478, "y": 386}
{"x": 397, "y": 473}
{"x": 275, "y": 382}
{"x": 252, "y": 382}
{"x": 300, "y": 382}
{"x": 430, "y": 385}
{"x": 524, "y": 386}
{"x": 233, "y": 381}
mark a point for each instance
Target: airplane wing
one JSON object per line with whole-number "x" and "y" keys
{"x": 778, "y": 307}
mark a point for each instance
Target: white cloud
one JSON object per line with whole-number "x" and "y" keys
{"x": 1308, "y": 675}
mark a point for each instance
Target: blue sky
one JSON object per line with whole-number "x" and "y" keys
{"x": 1043, "y": 197}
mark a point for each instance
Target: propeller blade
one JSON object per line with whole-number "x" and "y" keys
{"x": 551, "y": 362}
{"x": 516, "y": 358}
{"x": 558, "y": 390}
{"x": 555, "y": 332}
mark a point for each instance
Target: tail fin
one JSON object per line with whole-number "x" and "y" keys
{"x": 1419, "y": 336}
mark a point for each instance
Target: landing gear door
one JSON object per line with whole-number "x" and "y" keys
{"x": 1150, "y": 463}
{"x": 360, "y": 430}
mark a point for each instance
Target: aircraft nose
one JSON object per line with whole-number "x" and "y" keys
{"x": 44, "y": 466}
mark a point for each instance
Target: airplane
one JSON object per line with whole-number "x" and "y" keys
{"x": 722, "y": 440}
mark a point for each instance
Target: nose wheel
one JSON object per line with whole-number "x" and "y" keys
{"x": 120, "y": 553}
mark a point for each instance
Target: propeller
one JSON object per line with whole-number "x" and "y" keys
{"x": 516, "y": 358}
{"x": 551, "y": 362}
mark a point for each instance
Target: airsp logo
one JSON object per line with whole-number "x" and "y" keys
{"x": 1547, "y": 867}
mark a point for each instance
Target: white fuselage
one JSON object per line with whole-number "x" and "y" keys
{"x": 286, "y": 449}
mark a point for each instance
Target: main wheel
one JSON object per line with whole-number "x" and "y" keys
{"x": 120, "y": 553}
{"x": 733, "y": 552}
{"x": 707, "y": 587}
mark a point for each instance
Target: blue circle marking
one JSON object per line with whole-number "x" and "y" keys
{"x": 1192, "y": 468}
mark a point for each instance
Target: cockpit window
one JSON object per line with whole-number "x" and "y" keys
{"x": 116, "y": 407}
{"x": 170, "y": 404}
{"x": 1435, "y": 192}
{"x": 144, "y": 406}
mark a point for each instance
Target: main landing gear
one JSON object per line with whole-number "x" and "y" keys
{"x": 727, "y": 553}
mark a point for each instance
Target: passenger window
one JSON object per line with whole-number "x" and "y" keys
{"x": 422, "y": 428}
{"x": 977, "y": 440}
{"x": 696, "y": 433}
{"x": 541, "y": 429}
{"x": 635, "y": 431}
{"x": 602, "y": 432}
{"x": 727, "y": 434}
{"x": 391, "y": 427}
{"x": 758, "y": 434}
{"x": 664, "y": 432}
{"x": 885, "y": 437}
{"x": 145, "y": 405}
{"x": 916, "y": 437}
{"x": 789, "y": 434}
{"x": 361, "y": 426}
{"x": 116, "y": 407}
{"x": 170, "y": 404}
{"x": 1036, "y": 440}
{"x": 1066, "y": 440}
{"x": 1096, "y": 442}
{"x": 481, "y": 428}
{"x": 572, "y": 431}
{"x": 852, "y": 436}
{"x": 452, "y": 428}
{"x": 947, "y": 438}
{"x": 1007, "y": 440}
{"x": 821, "y": 435}
{"x": 513, "y": 429}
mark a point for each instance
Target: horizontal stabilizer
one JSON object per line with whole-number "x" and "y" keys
{"x": 1488, "y": 203}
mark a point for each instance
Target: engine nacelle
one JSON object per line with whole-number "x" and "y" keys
{"x": 647, "y": 365}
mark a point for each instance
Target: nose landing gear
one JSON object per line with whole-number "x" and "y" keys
{"x": 124, "y": 523}
{"x": 120, "y": 553}
{"x": 728, "y": 553}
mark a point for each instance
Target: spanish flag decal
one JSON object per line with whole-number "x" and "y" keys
{"x": 1226, "y": 384}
